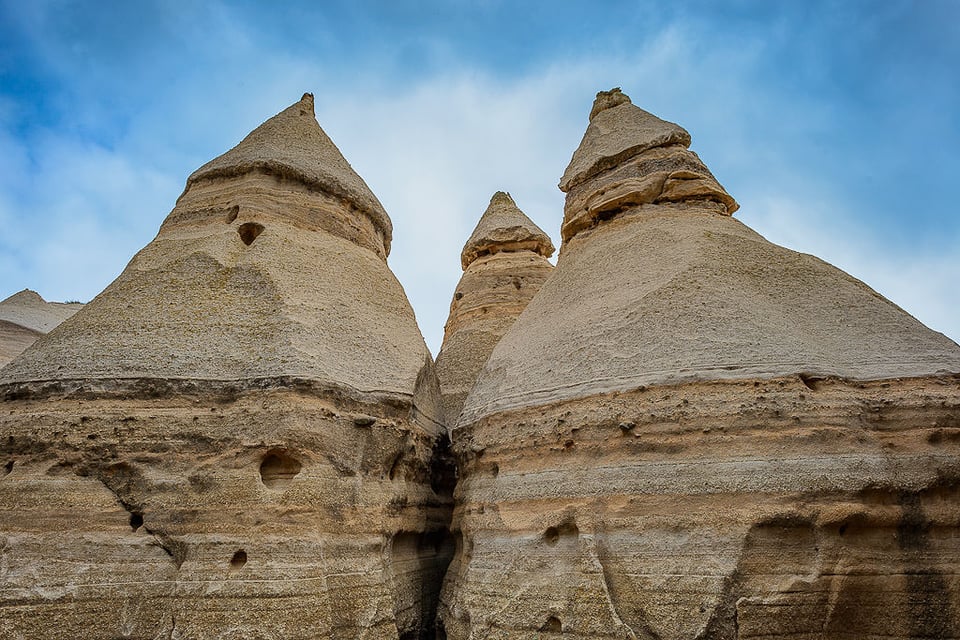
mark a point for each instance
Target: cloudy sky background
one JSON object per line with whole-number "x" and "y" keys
{"x": 836, "y": 125}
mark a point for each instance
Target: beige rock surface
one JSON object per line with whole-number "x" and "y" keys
{"x": 505, "y": 263}
{"x": 238, "y": 437}
{"x": 24, "y": 317}
{"x": 693, "y": 433}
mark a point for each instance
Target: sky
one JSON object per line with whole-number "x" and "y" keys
{"x": 835, "y": 124}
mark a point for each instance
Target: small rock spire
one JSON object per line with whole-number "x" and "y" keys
{"x": 503, "y": 227}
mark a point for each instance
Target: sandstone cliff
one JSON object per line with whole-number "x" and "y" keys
{"x": 236, "y": 438}
{"x": 505, "y": 263}
{"x": 24, "y": 317}
{"x": 693, "y": 433}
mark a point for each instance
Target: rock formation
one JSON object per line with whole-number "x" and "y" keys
{"x": 24, "y": 317}
{"x": 234, "y": 439}
{"x": 694, "y": 433}
{"x": 684, "y": 432}
{"x": 504, "y": 264}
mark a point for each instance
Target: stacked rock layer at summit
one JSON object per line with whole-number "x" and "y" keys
{"x": 691, "y": 432}
{"x": 236, "y": 438}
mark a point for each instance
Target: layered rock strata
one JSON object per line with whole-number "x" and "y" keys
{"x": 694, "y": 433}
{"x": 236, "y": 438}
{"x": 24, "y": 317}
{"x": 504, "y": 264}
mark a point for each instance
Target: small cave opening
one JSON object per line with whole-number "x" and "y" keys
{"x": 567, "y": 529}
{"x": 8, "y": 468}
{"x": 136, "y": 520}
{"x": 232, "y": 213}
{"x": 249, "y": 231}
{"x": 238, "y": 560}
{"x": 552, "y": 625}
{"x": 458, "y": 295}
{"x": 810, "y": 381}
{"x": 278, "y": 469}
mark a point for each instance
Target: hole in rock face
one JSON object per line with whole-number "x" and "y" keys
{"x": 458, "y": 295}
{"x": 136, "y": 520}
{"x": 553, "y": 534}
{"x": 232, "y": 214}
{"x": 552, "y": 624}
{"x": 249, "y": 231}
{"x": 278, "y": 469}
{"x": 239, "y": 559}
{"x": 7, "y": 468}
{"x": 516, "y": 283}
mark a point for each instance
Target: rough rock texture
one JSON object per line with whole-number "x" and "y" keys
{"x": 24, "y": 317}
{"x": 505, "y": 263}
{"x": 237, "y": 438}
{"x": 629, "y": 157}
{"x": 693, "y": 433}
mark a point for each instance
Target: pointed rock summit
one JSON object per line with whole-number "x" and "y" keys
{"x": 629, "y": 157}
{"x": 700, "y": 433}
{"x": 503, "y": 227}
{"x": 505, "y": 263}
{"x": 292, "y": 146}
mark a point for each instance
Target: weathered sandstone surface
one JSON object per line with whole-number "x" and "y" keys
{"x": 693, "y": 433}
{"x": 237, "y": 438}
{"x": 505, "y": 263}
{"x": 682, "y": 431}
{"x": 24, "y": 317}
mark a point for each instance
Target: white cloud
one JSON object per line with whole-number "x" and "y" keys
{"x": 435, "y": 149}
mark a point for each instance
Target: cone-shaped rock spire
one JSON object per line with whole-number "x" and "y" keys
{"x": 503, "y": 227}
{"x": 629, "y": 157}
{"x": 250, "y": 405}
{"x": 505, "y": 263}
{"x": 252, "y": 275}
{"x": 680, "y": 384}
{"x": 670, "y": 289}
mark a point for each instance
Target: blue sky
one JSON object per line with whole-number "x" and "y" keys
{"x": 836, "y": 125}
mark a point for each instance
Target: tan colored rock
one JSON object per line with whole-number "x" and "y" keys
{"x": 629, "y": 157}
{"x": 24, "y": 317}
{"x": 237, "y": 438}
{"x": 505, "y": 263}
{"x": 693, "y": 433}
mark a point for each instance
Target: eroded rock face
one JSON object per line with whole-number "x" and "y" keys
{"x": 505, "y": 263}
{"x": 693, "y": 433}
{"x": 236, "y": 438}
{"x": 24, "y": 317}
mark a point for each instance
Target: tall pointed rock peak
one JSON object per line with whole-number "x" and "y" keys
{"x": 292, "y": 145}
{"x": 504, "y": 227}
{"x": 629, "y": 157}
